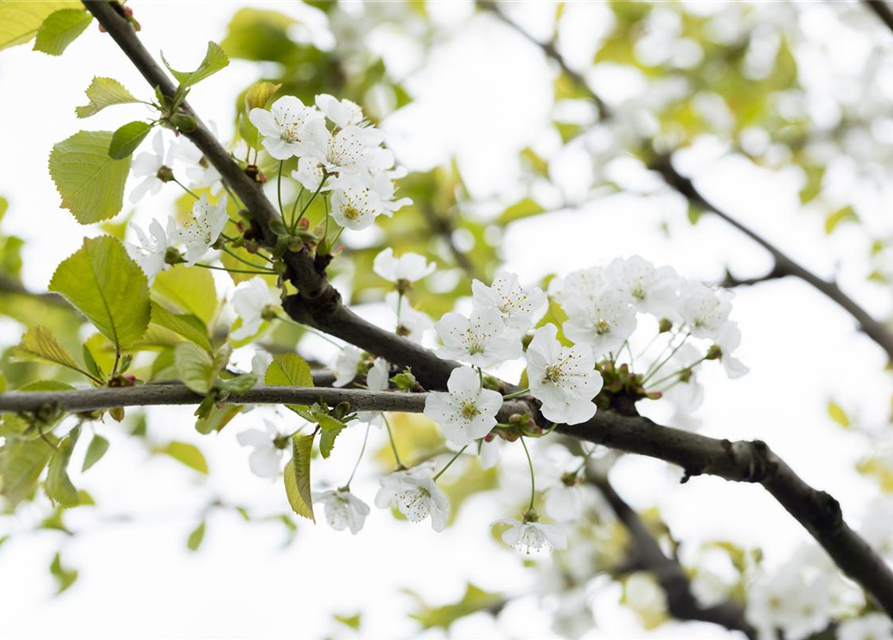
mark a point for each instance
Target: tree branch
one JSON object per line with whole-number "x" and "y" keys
{"x": 784, "y": 265}
{"x": 320, "y": 306}
{"x": 882, "y": 10}
{"x": 316, "y": 303}
{"x": 681, "y": 604}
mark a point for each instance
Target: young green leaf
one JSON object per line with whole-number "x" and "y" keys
{"x": 58, "y": 485}
{"x": 217, "y": 418}
{"x": 60, "y": 29}
{"x": 95, "y": 450}
{"x": 40, "y": 344}
{"x": 297, "y": 476}
{"x": 127, "y": 138}
{"x": 289, "y": 370}
{"x": 21, "y": 463}
{"x": 187, "y": 326}
{"x": 20, "y": 21}
{"x": 195, "y": 368}
{"x": 195, "y": 538}
{"x": 215, "y": 59}
{"x": 90, "y": 182}
{"x": 188, "y": 454}
{"x": 108, "y": 287}
{"x": 330, "y": 430}
{"x": 189, "y": 289}
{"x": 64, "y": 577}
{"x": 838, "y": 415}
{"x": 104, "y": 92}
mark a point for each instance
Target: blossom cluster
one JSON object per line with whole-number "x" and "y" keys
{"x": 337, "y": 152}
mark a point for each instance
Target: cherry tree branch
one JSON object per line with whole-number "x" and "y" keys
{"x": 784, "y": 264}
{"x": 648, "y": 555}
{"x": 882, "y": 10}
{"x": 316, "y": 304}
{"x": 320, "y": 306}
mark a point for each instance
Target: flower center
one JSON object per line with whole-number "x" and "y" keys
{"x": 602, "y": 327}
{"x": 469, "y": 410}
{"x": 553, "y": 373}
{"x": 351, "y": 212}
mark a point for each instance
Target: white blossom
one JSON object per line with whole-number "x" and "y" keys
{"x": 683, "y": 390}
{"x": 383, "y": 185}
{"x": 378, "y": 378}
{"x": 253, "y": 302}
{"x": 342, "y": 113}
{"x": 343, "y": 509}
{"x": 652, "y": 290}
{"x": 346, "y": 151}
{"x": 468, "y": 411}
{"x": 564, "y": 502}
{"x": 532, "y": 536}
{"x": 346, "y": 365}
{"x": 204, "y": 229}
{"x": 285, "y": 127}
{"x": 728, "y": 339}
{"x": 416, "y": 497}
{"x": 409, "y": 267}
{"x": 479, "y": 340}
{"x": 354, "y": 206}
{"x": 789, "y": 602}
{"x": 517, "y": 305}
{"x": 704, "y": 310}
{"x": 151, "y": 252}
{"x": 602, "y": 323}
{"x": 260, "y": 362}
{"x": 266, "y": 459}
{"x": 147, "y": 165}
{"x": 872, "y": 626}
{"x": 563, "y": 379}
{"x": 201, "y": 173}
{"x": 310, "y": 174}
{"x": 579, "y": 289}
{"x": 413, "y": 323}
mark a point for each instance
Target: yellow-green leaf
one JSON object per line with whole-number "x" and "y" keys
{"x": 841, "y": 215}
{"x": 60, "y": 29}
{"x": 297, "y": 476}
{"x": 95, "y": 450}
{"x": 190, "y": 289}
{"x": 215, "y": 59}
{"x": 108, "y": 287}
{"x": 289, "y": 370}
{"x": 195, "y": 368}
{"x": 187, "y": 326}
{"x": 40, "y": 344}
{"x": 58, "y": 485}
{"x": 195, "y": 538}
{"x": 90, "y": 182}
{"x": 21, "y": 463}
{"x": 104, "y": 92}
{"x": 20, "y": 21}
{"x": 188, "y": 454}
{"x": 838, "y": 415}
{"x": 127, "y": 138}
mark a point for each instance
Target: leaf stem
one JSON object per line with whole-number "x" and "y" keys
{"x": 452, "y": 460}
{"x": 517, "y": 394}
{"x": 391, "y": 438}
{"x": 243, "y": 260}
{"x": 362, "y": 451}
{"x": 532, "y": 475}
{"x": 186, "y": 189}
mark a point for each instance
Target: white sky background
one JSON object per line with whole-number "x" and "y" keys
{"x": 485, "y": 96}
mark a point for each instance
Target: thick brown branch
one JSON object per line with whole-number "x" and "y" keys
{"x": 882, "y": 10}
{"x": 316, "y": 303}
{"x": 319, "y": 305}
{"x": 681, "y": 604}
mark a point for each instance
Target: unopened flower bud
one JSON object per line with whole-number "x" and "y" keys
{"x": 183, "y": 122}
{"x": 117, "y": 413}
{"x": 165, "y": 174}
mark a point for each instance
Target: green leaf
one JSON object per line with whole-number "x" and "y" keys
{"x": 330, "y": 430}
{"x": 188, "y": 454}
{"x": 58, "y": 485}
{"x": 217, "y": 418}
{"x": 60, "y": 29}
{"x": 21, "y": 463}
{"x": 521, "y": 209}
{"x": 289, "y": 370}
{"x": 474, "y": 600}
{"x": 190, "y": 289}
{"x": 104, "y": 92}
{"x": 187, "y": 326}
{"x": 838, "y": 415}
{"x": 350, "y": 621}
{"x": 215, "y": 59}
{"x": 195, "y": 538}
{"x": 95, "y": 450}
{"x": 846, "y": 214}
{"x": 258, "y": 34}
{"x": 64, "y": 577}
{"x": 195, "y": 368}
{"x": 40, "y": 344}
{"x": 258, "y": 94}
{"x": 90, "y": 182}
{"x": 104, "y": 284}
{"x": 126, "y": 139}
{"x": 297, "y": 476}
{"x": 20, "y": 21}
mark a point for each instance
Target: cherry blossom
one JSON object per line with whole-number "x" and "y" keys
{"x": 254, "y": 303}
{"x": 266, "y": 459}
{"x": 564, "y": 379}
{"x": 343, "y": 509}
{"x": 151, "y": 252}
{"x": 704, "y": 310}
{"x": 147, "y": 165}
{"x": 204, "y": 229}
{"x": 409, "y": 267}
{"x": 651, "y": 290}
{"x": 342, "y": 113}
{"x": 415, "y": 496}
{"x": 467, "y": 412}
{"x": 603, "y": 323}
{"x": 517, "y": 305}
{"x": 532, "y": 536}
{"x": 479, "y": 340}
{"x": 285, "y": 127}
{"x": 346, "y": 365}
